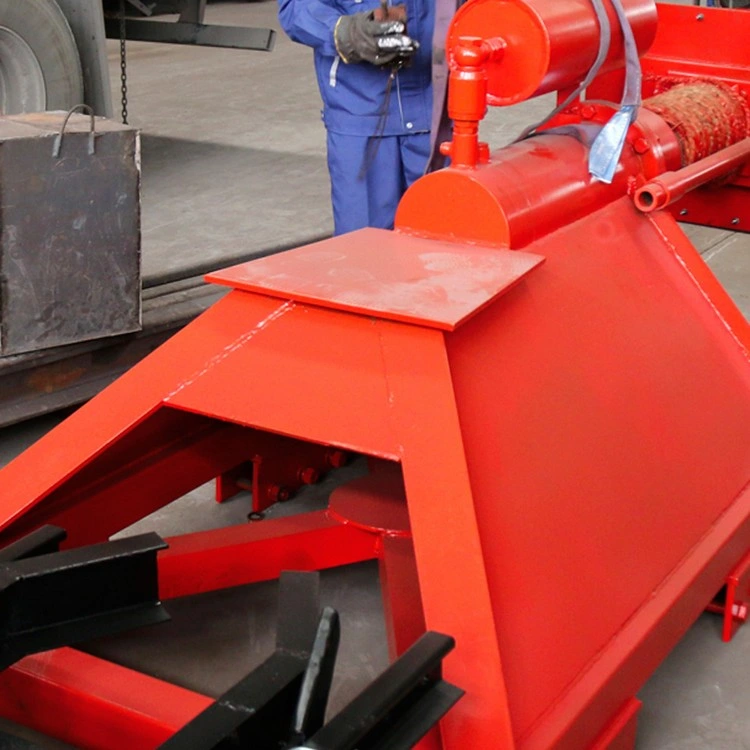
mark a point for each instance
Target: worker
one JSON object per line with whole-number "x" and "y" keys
{"x": 373, "y": 64}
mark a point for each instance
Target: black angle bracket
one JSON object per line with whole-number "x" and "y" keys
{"x": 188, "y": 32}
{"x": 282, "y": 703}
{"x": 287, "y": 694}
{"x": 50, "y": 599}
{"x": 399, "y": 708}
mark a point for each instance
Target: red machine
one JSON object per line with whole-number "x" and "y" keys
{"x": 532, "y": 362}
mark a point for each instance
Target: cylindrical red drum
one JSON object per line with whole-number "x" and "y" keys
{"x": 550, "y": 44}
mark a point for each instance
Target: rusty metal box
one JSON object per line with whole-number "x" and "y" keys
{"x": 70, "y": 240}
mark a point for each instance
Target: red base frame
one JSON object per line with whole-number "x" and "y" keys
{"x": 734, "y": 605}
{"x": 96, "y": 705}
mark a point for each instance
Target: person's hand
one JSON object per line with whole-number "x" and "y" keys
{"x": 362, "y": 38}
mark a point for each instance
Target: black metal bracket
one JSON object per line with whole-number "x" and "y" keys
{"x": 190, "y": 29}
{"x": 282, "y": 703}
{"x": 50, "y": 599}
{"x": 399, "y": 707}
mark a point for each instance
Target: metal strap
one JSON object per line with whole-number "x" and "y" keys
{"x": 607, "y": 148}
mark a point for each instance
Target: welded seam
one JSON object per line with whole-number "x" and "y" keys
{"x": 232, "y": 347}
{"x": 740, "y": 343}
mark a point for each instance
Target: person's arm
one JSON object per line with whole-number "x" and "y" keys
{"x": 310, "y": 22}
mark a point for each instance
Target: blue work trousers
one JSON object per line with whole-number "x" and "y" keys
{"x": 367, "y": 182}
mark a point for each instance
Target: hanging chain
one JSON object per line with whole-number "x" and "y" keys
{"x": 123, "y": 66}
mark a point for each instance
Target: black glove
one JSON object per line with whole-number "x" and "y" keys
{"x": 360, "y": 38}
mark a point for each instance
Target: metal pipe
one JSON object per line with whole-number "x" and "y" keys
{"x": 671, "y": 186}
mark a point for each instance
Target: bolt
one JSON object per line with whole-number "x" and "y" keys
{"x": 309, "y": 475}
{"x": 684, "y": 212}
{"x": 736, "y": 221}
{"x": 277, "y": 494}
{"x": 699, "y": 17}
{"x": 587, "y": 112}
{"x": 641, "y": 146}
{"x": 255, "y": 516}
{"x": 337, "y": 459}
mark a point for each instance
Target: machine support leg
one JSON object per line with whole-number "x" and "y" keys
{"x": 447, "y": 549}
{"x": 404, "y": 618}
{"x": 619, "y": 734}
{"x": 733, "y": 603}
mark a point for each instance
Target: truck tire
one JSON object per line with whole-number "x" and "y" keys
{"x": 39, "y": 64}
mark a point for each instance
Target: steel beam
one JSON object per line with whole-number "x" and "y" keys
{"x": 204, "y": 35}
{"x": 91, "y": 703}
{"x": 237, "y": 555}
{"x": 52, "y": 599}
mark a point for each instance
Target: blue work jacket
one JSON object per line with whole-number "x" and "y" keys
{"x": 355, "y": 95}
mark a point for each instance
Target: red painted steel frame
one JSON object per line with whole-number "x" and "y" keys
{"x": 554, "y": 414}
{"x": 340, "y": 378}
{"x": 93, "y": 704}
{"x": 210, "y": 560}
{"x": 570, "y": 420}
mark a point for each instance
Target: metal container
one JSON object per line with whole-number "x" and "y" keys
{"x": 69, "y": 230}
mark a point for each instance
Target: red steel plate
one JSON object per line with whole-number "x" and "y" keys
{"x": 387, "y": 274}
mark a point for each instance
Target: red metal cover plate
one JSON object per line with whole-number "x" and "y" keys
{"x": 387, "y": 274}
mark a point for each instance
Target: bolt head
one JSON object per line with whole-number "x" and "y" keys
{"x": 278, "y": 494}
{"x": 587, "y": 111}
{"x": 337, "y": 459}
{"x": 310, "y": 475}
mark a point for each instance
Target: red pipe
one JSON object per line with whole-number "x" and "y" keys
{"x": 671, "y": 186}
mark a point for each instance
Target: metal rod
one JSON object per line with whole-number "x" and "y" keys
{"x": 671, "y": 186}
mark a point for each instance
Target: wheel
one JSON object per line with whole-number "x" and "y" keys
{"x": 39, "y": 64}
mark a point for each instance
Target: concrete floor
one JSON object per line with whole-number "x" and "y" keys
{"x": 234, "y": 163}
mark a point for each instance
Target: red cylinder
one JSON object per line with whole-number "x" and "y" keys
{"x": 549, "y": 44}
{"x": 529, "y": 188}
